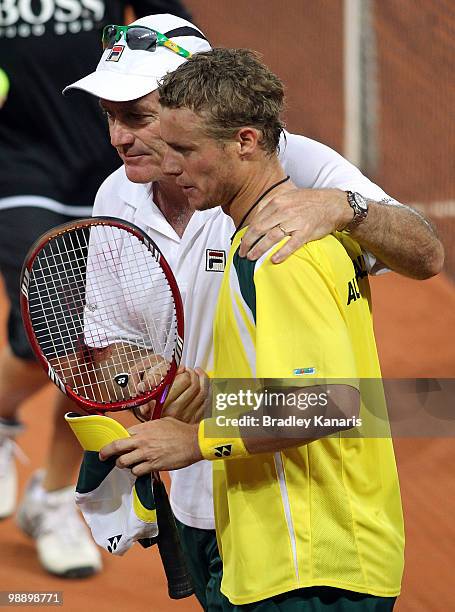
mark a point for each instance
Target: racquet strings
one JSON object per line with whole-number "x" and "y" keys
{"x": 101, "y": 308}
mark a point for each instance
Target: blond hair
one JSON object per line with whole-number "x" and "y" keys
{"x": 230, "y": 89}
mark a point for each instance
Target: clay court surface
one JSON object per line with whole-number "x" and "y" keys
{"x": 414, "y": 325}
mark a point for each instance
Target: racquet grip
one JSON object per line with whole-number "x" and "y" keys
{"x": 178, "y": 577}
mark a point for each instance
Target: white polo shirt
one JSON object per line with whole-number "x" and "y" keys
{"x": 197, "y": 260}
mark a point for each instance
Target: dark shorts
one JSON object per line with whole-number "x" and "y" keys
{"x": 204, "y": 562}
{"x": 201, "y": 552}
{"x": 19, "y": 228}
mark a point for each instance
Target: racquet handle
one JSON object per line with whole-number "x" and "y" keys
{"x": 178, "y": 577}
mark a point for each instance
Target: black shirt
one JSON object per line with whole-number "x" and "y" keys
{"x": 50, "y": 145}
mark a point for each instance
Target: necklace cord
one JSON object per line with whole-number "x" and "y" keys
{"x": 253, "y": 206}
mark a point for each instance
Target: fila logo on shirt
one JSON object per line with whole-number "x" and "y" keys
{"x": 215, "y": 261}
{"x": 223, "y": 451}
{"x": 113, "y": 543}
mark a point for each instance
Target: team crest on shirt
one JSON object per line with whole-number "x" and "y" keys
{"x": 215, "y": 261}
{"x": 115, "y": 54}
{"x": 304, "y": 371}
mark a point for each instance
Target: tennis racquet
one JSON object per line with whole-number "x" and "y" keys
{"x": 104, "y": 316}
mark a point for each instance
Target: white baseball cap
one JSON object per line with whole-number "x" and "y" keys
{"x": 125, "y": 74}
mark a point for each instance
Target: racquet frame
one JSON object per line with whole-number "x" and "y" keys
{"x": 159, "y": 392}
{"x": 179, "y": 581}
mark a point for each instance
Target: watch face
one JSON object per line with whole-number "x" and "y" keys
{"x": 360, "y": 201}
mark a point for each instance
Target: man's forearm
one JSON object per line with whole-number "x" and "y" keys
{"x": 254, "y": 440}
{"x": 398, "y": 236}
{"x": 269, "y": 431}
{"x": 402, "y": 239}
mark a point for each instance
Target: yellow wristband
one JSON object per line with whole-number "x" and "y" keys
{"x": 221, "y": 448}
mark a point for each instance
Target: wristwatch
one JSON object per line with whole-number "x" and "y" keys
{"x": 359, "y": 205}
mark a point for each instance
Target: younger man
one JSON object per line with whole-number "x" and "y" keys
{"x": 326, "y": 510}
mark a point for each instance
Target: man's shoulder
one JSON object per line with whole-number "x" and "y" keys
{"x": 295, "y": 147}
{"x": 331, "y": 258}
{"x": 311, "y": 252}
{"x": 314, "y": 165}
{"x": 115, "y": 180}
{"x": 116, "y": 192}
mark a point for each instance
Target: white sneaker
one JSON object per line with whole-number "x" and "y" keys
{"x": 64, "y": 545}
{"x": 8, "y": 474}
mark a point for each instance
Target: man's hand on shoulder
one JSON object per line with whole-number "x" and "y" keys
{"x": 398, "y": 236}
{"x": 303, "y": 214}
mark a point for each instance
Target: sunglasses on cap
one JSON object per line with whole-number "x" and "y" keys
{"x": 144, "y": 39}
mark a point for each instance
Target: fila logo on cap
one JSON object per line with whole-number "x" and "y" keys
{"x": 113, "y": 543}
{"x": 215, "y": 261}
{"x": 115, "y": 54}
{"x": 223, "y": 451}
